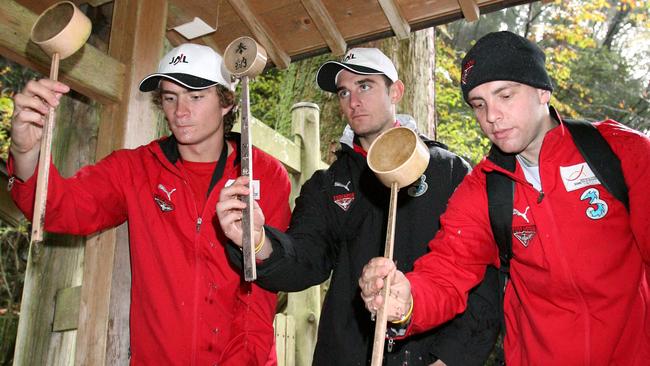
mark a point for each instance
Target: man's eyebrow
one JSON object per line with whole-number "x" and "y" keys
{"x": 180, "y": 92}
{"x": 507, "y": 86}
{"x": 358, "y": 82}
{"x": 365, "y": 81}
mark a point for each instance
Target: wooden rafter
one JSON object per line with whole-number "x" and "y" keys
{"x": 326, "y": 26}
{"x": 400, "y": 26}
{"x": 470, "y": 10}
{"x": 255, "y": 24}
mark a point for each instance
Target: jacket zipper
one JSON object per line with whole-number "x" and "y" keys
{"x": 195, "y": 315}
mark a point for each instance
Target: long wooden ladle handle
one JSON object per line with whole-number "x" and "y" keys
{"x": 382, "y": 313}
{"x": 250, "y": 269}
{"x": 245, "y": 58}
{"x": 44, "y": 159}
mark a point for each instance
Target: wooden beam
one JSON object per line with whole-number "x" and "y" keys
{"x": 470, "y": 10}
{"x": 80, "y": 71}
{"x": 400, "y": 26}
{"x": 57, "y": 264}
{"x": 137, "y": 39}
{"x": 326, "y": 26}
{"x": 261, "y": 33}
{"x": 37, "y": 6}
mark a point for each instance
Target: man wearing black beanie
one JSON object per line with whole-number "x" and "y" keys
{"x": 577, "y": 288}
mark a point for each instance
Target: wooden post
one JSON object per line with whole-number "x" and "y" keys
{"x": 138, "y": 30}
{"x": 305, "y": 125}
{"x": 305, "y": 306}
{"x": 285, "y": 339}
{"x": 58, "y": 263}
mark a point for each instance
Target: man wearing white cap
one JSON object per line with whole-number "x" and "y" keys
{"x": 339, "y": 223}
{"x": 189, "y": 306}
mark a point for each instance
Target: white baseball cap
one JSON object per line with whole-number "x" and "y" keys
{"x": 363, "y": 61}
{"x": 191, "y": 65}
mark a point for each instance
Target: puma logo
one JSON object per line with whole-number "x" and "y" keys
{"x": 522, "y": 214}
{"x": 346, "y": 185}
{"x": 168, "y": 193}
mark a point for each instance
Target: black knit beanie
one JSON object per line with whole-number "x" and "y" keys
{"x": 504, "y": 56}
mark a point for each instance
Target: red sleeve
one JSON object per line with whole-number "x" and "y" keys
{"x": 458, "y": 257}
{"x": 89, "y": 201}
{"x": 633, "y": 150}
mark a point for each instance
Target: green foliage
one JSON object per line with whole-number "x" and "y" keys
{"x": 14, "y": 245}
{"x": 264, "y": 90}
{"x": 12, "y": 78}
{"x": 456, "y": 126}
{"x": 585, "y": 44}
{"x": 6, "y": 110}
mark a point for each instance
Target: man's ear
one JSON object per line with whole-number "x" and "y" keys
{"x": 396, "y": 91}
{"x": 544, "y": 96}
{"x": 225, "y": 110}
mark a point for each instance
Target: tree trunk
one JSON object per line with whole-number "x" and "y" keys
{"x": 415, "y": 60}
{"x": 615, "y": 24}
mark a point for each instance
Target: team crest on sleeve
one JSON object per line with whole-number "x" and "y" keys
{"x": 163, "y": 203}
{"x": 419, "y": 187}
{"x": 524, "y": 234}
{"x": 344, "y": 200}
{"x": 164, "y": 200}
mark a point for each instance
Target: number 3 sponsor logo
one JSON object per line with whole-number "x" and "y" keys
{"x": 598, "y": 208}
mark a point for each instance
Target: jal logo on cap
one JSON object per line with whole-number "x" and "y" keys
{"x": 466, "y": 70}
{"x": 178, "y": 59}
{"x": 348, "y": 57}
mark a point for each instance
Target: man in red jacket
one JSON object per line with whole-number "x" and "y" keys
{"x": 189, "y": 305}
{"x": 577, "y": 292}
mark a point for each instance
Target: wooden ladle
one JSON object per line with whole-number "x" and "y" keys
{"x": 398, "y": 158}
{"x": 245, "y": 58}
{"x": 60, "y": 31}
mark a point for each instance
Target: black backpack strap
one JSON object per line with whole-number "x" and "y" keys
{"x": 600, "y": 158}
{"x": 500, "y": 195}
{"x": 500, "y": 192}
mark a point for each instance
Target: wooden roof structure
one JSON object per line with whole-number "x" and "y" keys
{"x": 291, "y": 30}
